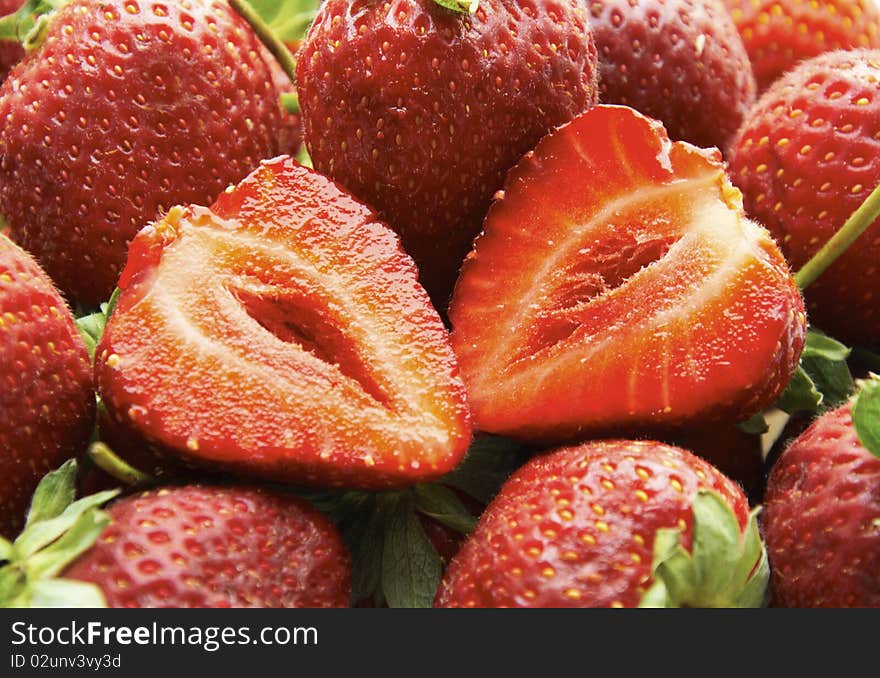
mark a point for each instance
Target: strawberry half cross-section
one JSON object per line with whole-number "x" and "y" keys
{"x": 282, "y": 333}
{"x": 618, "y": 284}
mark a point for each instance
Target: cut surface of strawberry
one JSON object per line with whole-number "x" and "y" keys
{"x": 617, "y": 283}
{"x": 283, "y": 333}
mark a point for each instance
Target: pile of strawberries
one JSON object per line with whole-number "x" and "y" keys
{"x": 454, "y": 303}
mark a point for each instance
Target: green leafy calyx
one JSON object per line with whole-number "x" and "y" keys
{"x": 59, "y": 529}
{"x": 726, "y": 567}
{"x": 866, "y": 414}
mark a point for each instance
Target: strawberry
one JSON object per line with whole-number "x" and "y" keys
{"x": 47, "y": 400}
{"x": 207, "y": 546}
{"x": 679, "y": 61}
{"x": 618, "y": 285}
{"x": 780, "y": 33}
{"x": 805, "y": 159}
{"x": 822, "y": 518}
{"x": 611, "y": 524}
{"x": 419, "y": 110}
{"x": 282, "y": 333}
{"x": 734, "y": 452}
{"x": 126, "y": 109}
{"x": 11, "y": 51}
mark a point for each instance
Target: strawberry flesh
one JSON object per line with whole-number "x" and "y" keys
{"x": 283, "y": 333}
{"x": 617, "y": 283}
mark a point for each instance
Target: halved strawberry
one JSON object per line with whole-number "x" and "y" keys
{"x": 283, "y": 333}
{"x": 617, "y": 283}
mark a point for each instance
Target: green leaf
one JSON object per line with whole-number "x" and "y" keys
{"x": 411, "y": 566}
{"x": 77, "y": 540}
{"x": 488, "y": 463}
{"x": 91, "y": 325}
{"x": 726, "y": 567}
{"x": 28, "y": 24}
{"x": 866, "y": 414}
{"x": 44, "y": 532}
{"x": 288, "y": 19}
{"x": 303, "y": 157}
{"x": 12, "y": 582}
{"x": 754, "y": 425}
{"x": 753, "y": 580}
{"x": 5, "y": 549}
{"x": 441, "y": 504}
{"x": 800, "y": 394}
{"x": 365, "y": 537}
{"x": 820, "y": 345}
{"x": 290, "y": 103}
{"x": 715, "y": 530}
{"x": 462, "y": 6}
{"x": 55, "y": 493}
{"x": 111, "y": 303}
{"x": 64, "y": 593}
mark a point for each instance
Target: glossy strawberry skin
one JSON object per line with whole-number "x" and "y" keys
{"x": 211, "y": 546}
{"x": 778, "y": 34}
{"x": 737, "y": 454}
{"x": 420, "y": 111}
{"x": 47, "y": 400}
{"x": 618, "y": 287}
{"x": 11, "y": 51}
{"x": 127, "y": 109}
{"x": 821, "y": 518}
{"x": 805, "y": 159}
{"x": 575, "y": 527}
{"x": 283, "y": 334}
{"x": 679, "y": 61}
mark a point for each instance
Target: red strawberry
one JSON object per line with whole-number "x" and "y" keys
{"x": 11, "y": 51}
{"x": 283, "y": 333}
{"x": 805, "y": 159}
{"x": 419, "y": 110}
{"x": 735, "y": 453}
{"x": 780, "y": 33}
{"x": 47, "y": 402}
{"x": 679, "y": 61}
{"x": 580, "y": 527}
{"x": 127, "y": 109}
{"x": 203, "y": 546}
{"x": 822, "y": 518}
{"x": 617, "y": 284}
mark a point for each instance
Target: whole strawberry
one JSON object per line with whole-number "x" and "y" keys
{"x": 11, "y": 50}
{"x": 126, "y": 109}
{"x": 205, "y": 546}
{"x": 611, "y": 524}
{"x": 47, "y": 401}
{"x": 822, "y": 518}
{"x": 679, "y": 61}
{"x": 420, "y": 111}
{"x": 780, "y": 33}
{"x": 805, "y": 159}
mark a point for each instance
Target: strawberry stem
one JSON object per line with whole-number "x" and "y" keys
{"x": 858, "y": 223}
{"x": 109, "y": 462}
{"x": 267, "y": 37}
